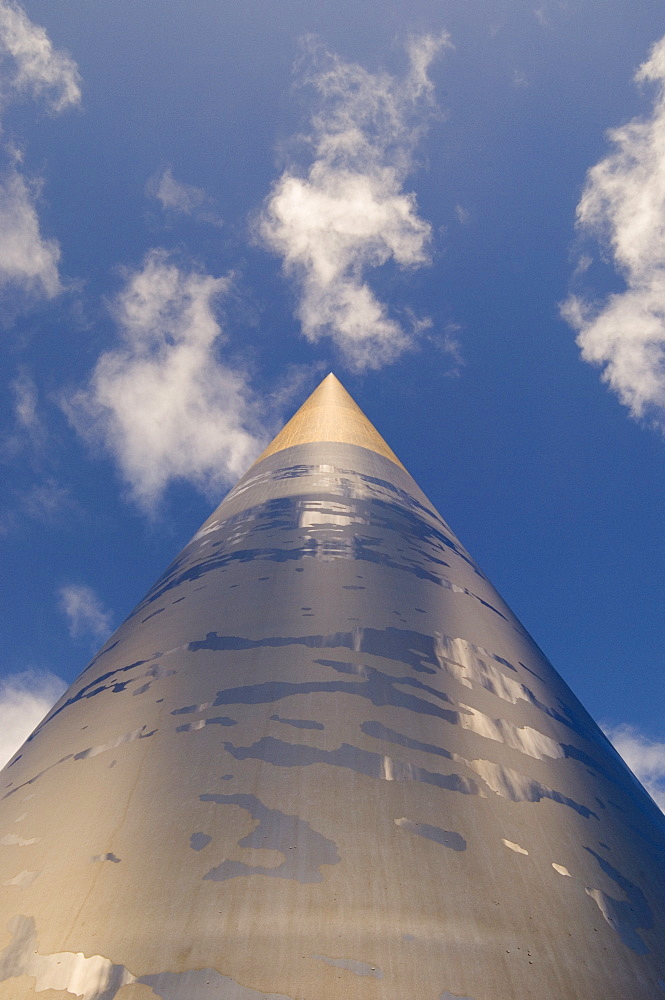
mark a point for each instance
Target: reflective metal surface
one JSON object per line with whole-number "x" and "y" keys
{"x": 322, "y": 760}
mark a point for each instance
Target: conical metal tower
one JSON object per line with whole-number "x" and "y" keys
{"x": 322, "y": 760}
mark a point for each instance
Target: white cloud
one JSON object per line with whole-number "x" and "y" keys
{"x": 25, "y": 402}
{"x": 25, "y": 698}
{"x": 29, "y": 435}
{"x": 162, "y": 403}
{"x": 174, "y": 194}
{"x": 463, "y": 214}
{"x": 85, "y": 613}
{"x": 623, "y": 204}
{"x": 36, "y": 493}
{"x": 29, "y": 431}
{"x": 27, "y": 260}
{"x": 348, "y": 212}
{"x": 38, "y": 68}
{"x": 645, "y": 758}
{"x": 186, "y": 199}
{"x": 49, "y": 502}
{"x": 520, "y": 79}
{"x": 29, "y": 65}
{"x": 452, "y": 347}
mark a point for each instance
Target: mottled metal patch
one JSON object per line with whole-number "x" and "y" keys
{"x": 305, "y": 851}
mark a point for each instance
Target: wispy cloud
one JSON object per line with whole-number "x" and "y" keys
{"x": 186, "y": 199}
{"x": 174, "y": 194}
{"x": 36, "y": 68}
{"x": 520, "y": 79}
{"x": 645, "y": 758}
{"x": 25, "y": 698}
{"x": 162, "y": 403}
{"x": 29, "y": 66}
{"x": 463, "y": 215}
{"x": 450, "y": 344}
{"x": 85, "y": 613}
{"x": 33, "y": 491}
{"x": 27, "y": 260}
{"x": 48, "y": 502}
{"x": 348, "y": 212}
{"x": 25, "y": 405}
{"x": 26, "y": 439}
{"x": 623, "y": 204}
{"x": 29, "y": 431}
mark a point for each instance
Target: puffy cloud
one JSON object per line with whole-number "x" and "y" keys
{"x": 645, "y": 758}
{"x": 162, "y": 403}
{"x": 84, "y": 611}
{"x": 25, "y": 698}
{"x": 38, "y": 68}
{"x": 623, "y": 204}
{"x": 348, "y": 212}
{"x": 27, "y": 260}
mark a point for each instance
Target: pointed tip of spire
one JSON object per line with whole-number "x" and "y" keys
{"x": 330, "y": 414}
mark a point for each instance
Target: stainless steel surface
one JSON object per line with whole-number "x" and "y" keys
{"x": 322, "y": 760}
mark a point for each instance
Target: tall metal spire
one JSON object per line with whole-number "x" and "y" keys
{"x": 323, "y": 760}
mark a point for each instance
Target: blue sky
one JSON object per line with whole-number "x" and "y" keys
{"x": 459, "y": 208}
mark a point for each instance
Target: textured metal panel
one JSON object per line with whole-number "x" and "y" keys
{"x": 323, "y": 759}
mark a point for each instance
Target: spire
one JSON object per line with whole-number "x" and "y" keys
{"x": 322, "y": 758}
{"x": 330, "y": 414}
